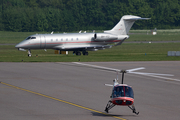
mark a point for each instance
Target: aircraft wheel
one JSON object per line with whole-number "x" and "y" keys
{"x": 85, "y": 53}
{"x": 78, "y": 53}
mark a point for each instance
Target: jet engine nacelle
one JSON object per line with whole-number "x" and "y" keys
{"x": 104, "y": 37}
{"x": 21, "y": 49}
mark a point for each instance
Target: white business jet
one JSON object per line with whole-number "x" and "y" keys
{"x": 81, "y": 42}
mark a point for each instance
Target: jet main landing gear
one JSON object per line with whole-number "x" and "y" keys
{"x": 79, "y": 53}
{"x": 85, "y": 53}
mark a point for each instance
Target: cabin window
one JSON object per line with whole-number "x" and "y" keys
{"x": 71, "y": 39}
{"x": 66, "y": 39}
{"x": 61, "y": 39}
{"x": 51, "y": 39}
{"x": 56, "y": 39}
{"x": 77, "y": 38}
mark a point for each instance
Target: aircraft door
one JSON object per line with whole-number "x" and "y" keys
{"x": 42, "y": 42}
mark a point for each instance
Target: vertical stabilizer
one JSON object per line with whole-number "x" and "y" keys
{"x": 125, "y": 24}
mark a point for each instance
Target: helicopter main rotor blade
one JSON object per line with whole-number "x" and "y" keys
{"x": 98, "y": 67}
{"x": 131, "y": 70}
{"x": 106, "y": 68}
{"x": 155, "y": 74}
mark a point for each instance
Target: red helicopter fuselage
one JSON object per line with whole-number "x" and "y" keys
{"x": 122, "y": 94}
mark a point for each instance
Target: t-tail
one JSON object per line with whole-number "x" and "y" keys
{"x": 124, "y": 25}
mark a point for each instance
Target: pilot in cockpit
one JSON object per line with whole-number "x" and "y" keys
{"x": 117, "y": 92}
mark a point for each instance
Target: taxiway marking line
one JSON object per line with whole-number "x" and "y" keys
{"x": 73, "y": 104}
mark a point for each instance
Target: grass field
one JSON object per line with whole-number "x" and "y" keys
{"x": 124, "y": 52}
{"x": 162, "y": 35}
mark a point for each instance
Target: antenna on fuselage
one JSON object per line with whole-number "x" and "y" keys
{"x": 80, "y": 31}
{"x": 52, "y": 32}
{"x": 84, "y": 31}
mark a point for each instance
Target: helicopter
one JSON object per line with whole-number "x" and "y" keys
{"x": 122, "y": 94}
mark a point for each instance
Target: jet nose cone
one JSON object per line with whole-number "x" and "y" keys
{"x": 17, "y": 46}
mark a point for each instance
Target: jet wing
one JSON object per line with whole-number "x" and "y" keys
{"x": 82, "y": 47}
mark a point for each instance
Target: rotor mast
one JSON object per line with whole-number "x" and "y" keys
{"x": 122, "y": 71}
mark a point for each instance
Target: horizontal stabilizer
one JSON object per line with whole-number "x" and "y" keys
{"x": 133, "y": 19}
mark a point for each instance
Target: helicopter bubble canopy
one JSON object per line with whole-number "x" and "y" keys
{"x": 122, "y": 94}
{"x": 122, "y": 90}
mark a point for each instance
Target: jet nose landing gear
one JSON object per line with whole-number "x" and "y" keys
{"x": 29, "y": 53}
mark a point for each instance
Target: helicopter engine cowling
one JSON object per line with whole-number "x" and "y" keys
{"x": 104, "y": 37}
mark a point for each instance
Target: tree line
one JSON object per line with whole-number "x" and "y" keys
{"x": 74, "y": 15}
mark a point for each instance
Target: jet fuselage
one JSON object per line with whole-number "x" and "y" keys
{"x": 69, "y": 41}
{"x": 81, "y": 42}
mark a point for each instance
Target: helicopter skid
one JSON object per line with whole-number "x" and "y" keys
{"x": 109, "y": 106}
{"x": 133, "y": 109}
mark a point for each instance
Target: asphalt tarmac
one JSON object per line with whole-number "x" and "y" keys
{"x": 67, "y": 91}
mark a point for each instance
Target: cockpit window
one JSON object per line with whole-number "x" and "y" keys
{"x": 123, "y": 91}
{"x": 33, "y": 37}
{"x": 30, "y": 38}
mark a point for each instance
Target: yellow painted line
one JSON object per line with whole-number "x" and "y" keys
{"x": 60, "y": 100}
